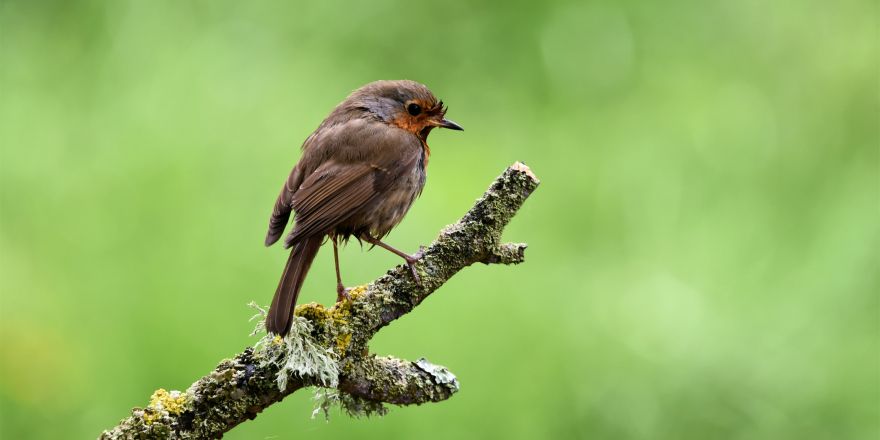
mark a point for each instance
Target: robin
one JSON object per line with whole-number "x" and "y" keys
{"x": 358, "y": 175}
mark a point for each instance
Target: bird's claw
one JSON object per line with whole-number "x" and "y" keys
{"x": 421, "y": 253}
{"x": 342, "y": 293}
{"x": 415, "y": 274}
{"x": 411, "y": 263}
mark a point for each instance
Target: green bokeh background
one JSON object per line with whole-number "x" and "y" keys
{"x": 703, "y": 257}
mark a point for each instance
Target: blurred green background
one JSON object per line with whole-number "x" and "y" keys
{"x": 703, "y": 257}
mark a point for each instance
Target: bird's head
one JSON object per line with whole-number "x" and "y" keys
{"x": 404, "y": 104}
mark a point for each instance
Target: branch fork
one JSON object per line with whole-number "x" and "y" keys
{"x": 240, "y": 388}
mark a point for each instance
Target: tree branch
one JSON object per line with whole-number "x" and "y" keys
{"x": 241, "y": 387}
{"x": 414, "y": 382}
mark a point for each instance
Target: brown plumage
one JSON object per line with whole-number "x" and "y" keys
{"x": 359, "y": 173}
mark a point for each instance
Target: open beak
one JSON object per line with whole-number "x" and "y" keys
{"x": 446, "y": 123}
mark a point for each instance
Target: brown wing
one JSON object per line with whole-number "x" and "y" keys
{"x": 353, "y": 162}
{"x": 312, "y": 151}
{"x": 281, "y": 211}
{"x": 335, "y": 192}
{"x": 329, "y": 196}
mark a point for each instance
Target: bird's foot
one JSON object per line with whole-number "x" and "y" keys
{"x": 421, "y": 253}
{"x": 342, "y": 293}
{"x": 411, "y": 261}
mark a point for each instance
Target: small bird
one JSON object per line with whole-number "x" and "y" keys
{"x": 358, "y": 175}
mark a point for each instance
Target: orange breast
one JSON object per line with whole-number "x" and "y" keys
{"x": 414, "y": 126}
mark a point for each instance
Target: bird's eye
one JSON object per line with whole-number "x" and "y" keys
{"x": 414, "y": 109}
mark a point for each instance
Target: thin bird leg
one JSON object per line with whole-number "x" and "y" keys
{"x": 341, "y": 293}
{"x": 410, "y": 259}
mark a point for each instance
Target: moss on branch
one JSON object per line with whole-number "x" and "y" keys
{"x": 330, "y": 347}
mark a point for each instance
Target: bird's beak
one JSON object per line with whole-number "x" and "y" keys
{"x": 446, "y": 123}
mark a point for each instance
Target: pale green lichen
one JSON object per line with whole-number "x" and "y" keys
{"x": 301, "y": 354}
{"x": 260, "y": 316}
{"x": 334, "y": 323}
{"x": 440, "y": 374}
{"x": 353, "y": 406}
{"x": 297, "y": 354}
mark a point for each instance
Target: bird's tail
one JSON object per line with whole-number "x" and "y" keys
{"x": 281, "y": 312}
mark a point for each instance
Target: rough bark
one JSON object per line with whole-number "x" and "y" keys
{"x": 241, "y": 387}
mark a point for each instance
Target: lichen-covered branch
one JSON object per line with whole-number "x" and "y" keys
{"x": 392, "y": 380}
{"x": 329, "y": 346}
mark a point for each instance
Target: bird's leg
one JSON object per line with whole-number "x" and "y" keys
{"x": 341, "y": 293}
{"x": 410, "y": 259}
